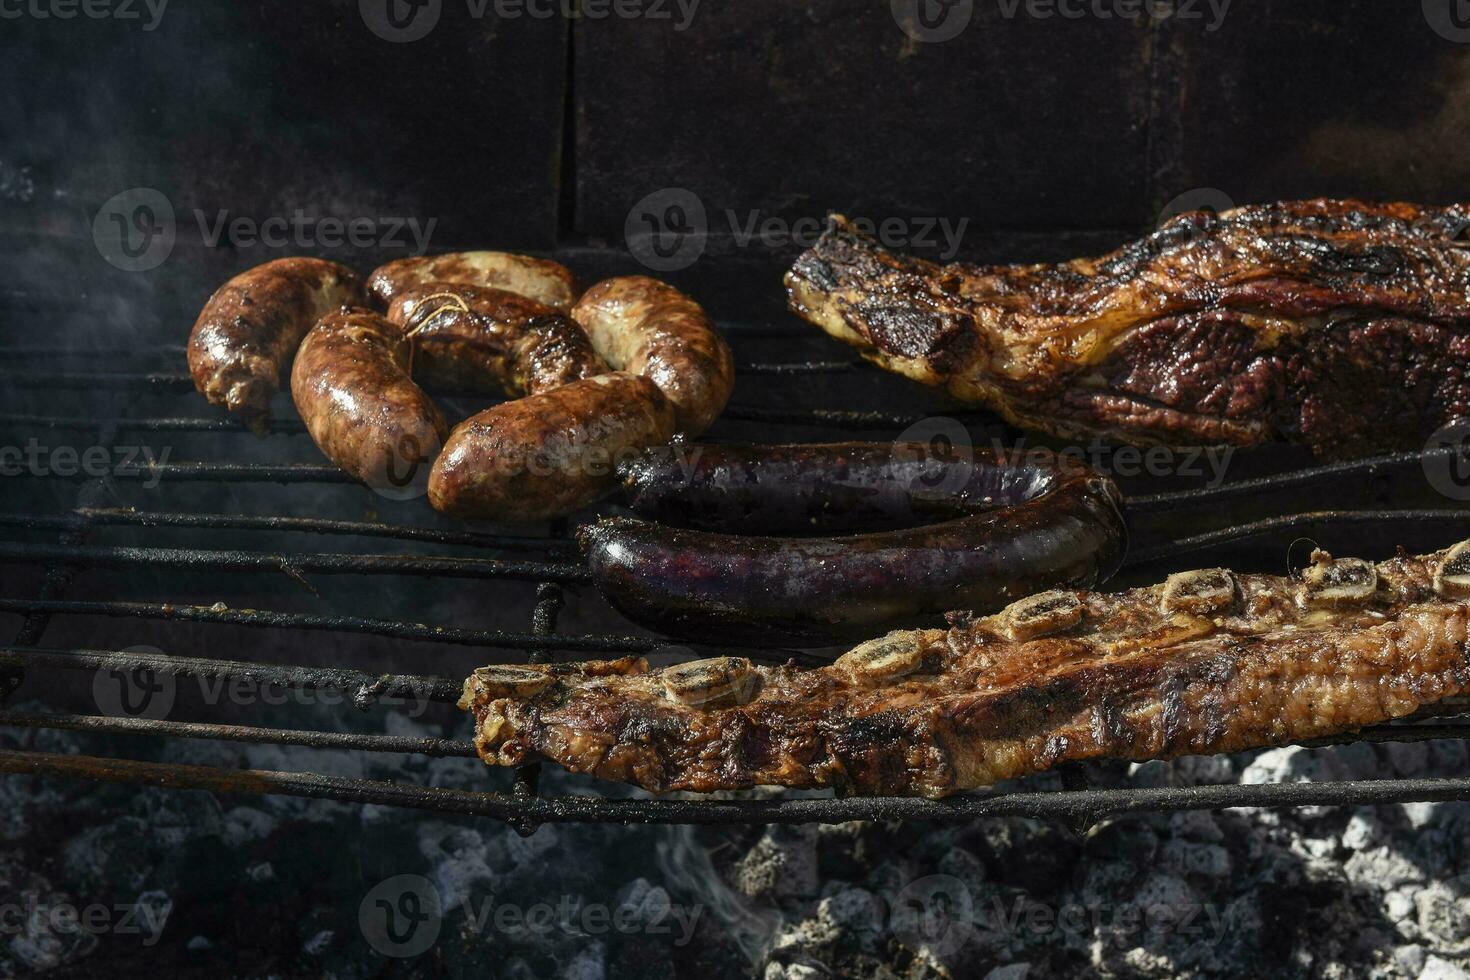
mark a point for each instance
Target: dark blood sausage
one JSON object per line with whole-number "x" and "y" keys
{"x": 807, "y": 489}
{"x": 474, "y": 338}
{"x": 542, "y": 280}
{"x": 242, "y": 344}
{"x": 1058, "y": 524}
{"x": 647, "y": 327}
{"x": 351, "y": 385}
{"x": 546, "y": 455}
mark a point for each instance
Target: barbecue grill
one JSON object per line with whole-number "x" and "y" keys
{"x": 1270, "y": 499}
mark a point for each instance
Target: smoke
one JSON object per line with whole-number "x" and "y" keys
{"x": 685, "y": 863}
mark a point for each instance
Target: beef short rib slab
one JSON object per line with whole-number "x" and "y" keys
{"x": 1338, "y": 324}
{"x": 1205, "y": 662}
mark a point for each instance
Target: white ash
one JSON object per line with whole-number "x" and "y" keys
{"x": 254, "y": 886}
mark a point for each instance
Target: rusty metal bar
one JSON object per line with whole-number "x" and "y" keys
{"x": 365, "y": 688}
{"x": 323, "y": 564}
{"x": 338, "y": 624}
{"x": 437, "y": 747}
{"x": 1081, "y": 807}
{"x": 1286, "y": 522}
{"x": 127, "y": 517}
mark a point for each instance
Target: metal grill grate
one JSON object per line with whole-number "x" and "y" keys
{"x": 549, "y": 560}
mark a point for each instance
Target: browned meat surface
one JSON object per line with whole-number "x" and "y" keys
{"x": 539, "y": 279}
{"x": 352, "y": 388}
{"x": 1206, "y": 662}
{"x": 242, "y": 345}
{"x": 1338, "y": 324}
{"x": 473, "y": 338}
{"x": 647, "y": 327}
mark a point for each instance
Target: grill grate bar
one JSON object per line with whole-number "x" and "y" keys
{"x": 340, "y": 624}
{"x": 134, "y": 518}
{"x": 1286, "y": 522}
{"x": 365, "y": 689}
{"x": 405, "y": 745}
{"x": 1325, "y": 475}
{"x": 167, "y": 424}
{"x": 325, "y": 564}
{"x": 219, "y": 473}
{"x": 1078, "y": 807}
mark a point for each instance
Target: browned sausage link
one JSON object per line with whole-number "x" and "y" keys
{"x": 647, "y": 327}
{"x": 547, "y": 455}
{"x": 352, "y": 388}
{"x": 246, "y": 335}
{"x": 540, "y": 279}
{"x": 479, "y": 339}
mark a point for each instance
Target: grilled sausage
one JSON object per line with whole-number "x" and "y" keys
{"x": 545, "y": 455}
{"x": 352, "y": 387}
{"x": 480, "y": 339}
{"x": 646, "y": 327}
{"x": 248, "y": 331}
{"x": 539, "y": 279}
{"x": 1059, "y": 525}
{"x": 825, "y": 489}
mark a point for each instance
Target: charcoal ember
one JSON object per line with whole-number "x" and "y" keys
{"x": 1443, "y": 912}
{"x": 1031, "y": 854}
{"x": 782, "y": 863}
{"x": 1129, "y": 840}
{"x": 1382, "y": 868}
{"x": 1191, "y": 860}
{"x": 35, "y": 939}
{"x": 1436, "y": 968}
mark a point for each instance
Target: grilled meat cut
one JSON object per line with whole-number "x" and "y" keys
{"x": 1208, "y": 661}
{"x": 1338, "y": 324}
